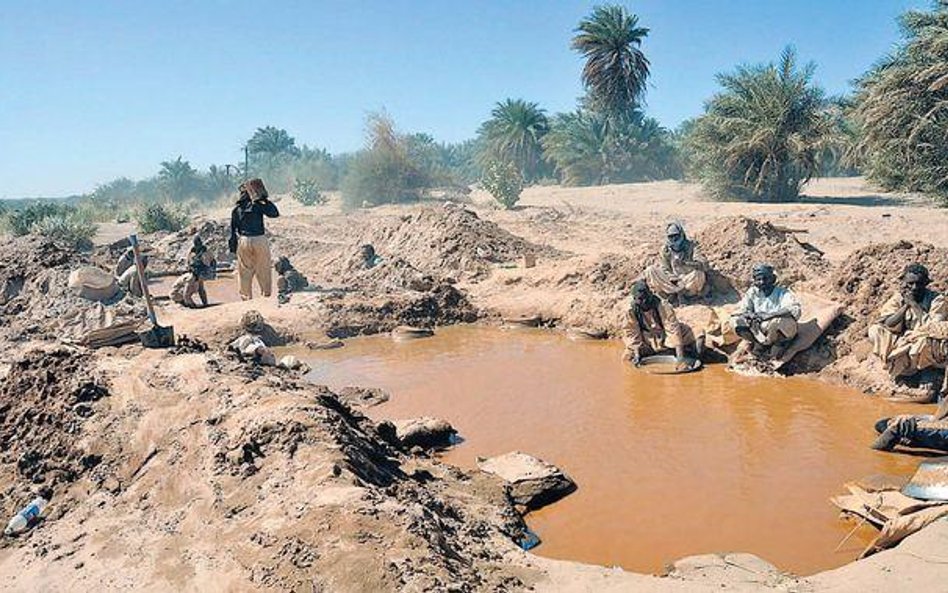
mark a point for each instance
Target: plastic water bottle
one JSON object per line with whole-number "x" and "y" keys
{"x": 21, "y": 520}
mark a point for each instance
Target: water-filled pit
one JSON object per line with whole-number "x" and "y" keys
{"x": 667, "y": 466}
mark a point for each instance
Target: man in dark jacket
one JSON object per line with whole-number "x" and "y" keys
{"x": 248, "y": 237}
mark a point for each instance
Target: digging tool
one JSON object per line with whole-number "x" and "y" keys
{"x": 157, "y": 336}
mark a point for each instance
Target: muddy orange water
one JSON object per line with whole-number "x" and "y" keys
{"x": 667, "y": 466}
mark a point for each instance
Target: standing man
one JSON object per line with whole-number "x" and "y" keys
{"x": 681, "y": 271}
{"x": 248, "y": 237}
{"x": 766, "y": 318}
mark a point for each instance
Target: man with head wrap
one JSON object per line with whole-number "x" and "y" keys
{"x": 766, "y": 317}
{"x": 651, "y": 326}
{"x": 901, "y": 334}
{"x": 681, "y": 270}
{"x": 248, "y": 237}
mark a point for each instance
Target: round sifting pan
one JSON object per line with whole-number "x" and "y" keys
{"x": 407, "y": 332}
{"x": 666, "y": 364}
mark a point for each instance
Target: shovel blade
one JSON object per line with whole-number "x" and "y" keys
{"x": 157, "y": 337}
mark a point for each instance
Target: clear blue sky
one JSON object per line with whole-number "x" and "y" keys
{"x": 94, "y": 90}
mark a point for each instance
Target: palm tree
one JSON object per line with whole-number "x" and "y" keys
{"x": 589, "y": 149}
{"x": 513, "y": 135}
{"x": 763, "y": 136}
{"x": 616, "y": 70}
{"x": 178, "y": 179}
{"x": 901, "y": 109}
{"x": 272, "y": 142}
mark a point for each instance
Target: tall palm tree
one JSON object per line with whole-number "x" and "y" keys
{"x": 178, "y": 179}
{"x": 901, "y": 109}
{"x": 616, "y": 70}
{"x": 764, "y": 135}
{"x": 273, "y": 143}
{"x": 513, "y": 134}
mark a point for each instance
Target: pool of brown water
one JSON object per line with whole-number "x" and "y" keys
{"x": 667, "y": 466}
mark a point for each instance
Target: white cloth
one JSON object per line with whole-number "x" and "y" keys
{"x": 755, "y": 301}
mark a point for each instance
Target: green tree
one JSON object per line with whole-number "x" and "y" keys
{"x": 221, "y": 181}
{"x": 272, "y": 144}
{"x": 616, "y": 70}
{"x": 763, "y": 135}
{"x": 503, "y": 181}
{"x": 513, "y": 134}
{"x": 901, "y": 109}
{"x": 178, "y": 179}
{"x": 587, "y": 149}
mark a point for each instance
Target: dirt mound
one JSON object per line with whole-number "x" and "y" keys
{"x": 351, "y": 315}
{"x": 36, "y": 301}
{"x": 272, "y": 483}
{"x": 869, "y": 276}
{"x": 45, "y": 399}
{"x": 734, "y": 244}
{"x": 451, "y": 240}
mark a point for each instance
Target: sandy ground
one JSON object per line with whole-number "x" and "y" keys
{"x": 200, "y": 471}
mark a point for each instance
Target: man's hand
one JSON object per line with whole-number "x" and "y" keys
{"x": 637, "y": 358}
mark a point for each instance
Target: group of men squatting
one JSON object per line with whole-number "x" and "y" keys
{"x": 909, "y": 335}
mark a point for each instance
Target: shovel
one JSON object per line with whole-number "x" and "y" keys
{"x": 157, "y": 336}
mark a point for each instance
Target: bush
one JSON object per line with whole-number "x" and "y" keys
{"x": 384, "y": 172}
{"x": 306, "y": 192}
{"x": 73, "y": 229}
{"x": 161, "y": 217}
{"x": 504, "y": 182}
{"x": 20, "y": 222}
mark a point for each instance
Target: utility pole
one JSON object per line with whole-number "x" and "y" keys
{"x": 246, "y": 161}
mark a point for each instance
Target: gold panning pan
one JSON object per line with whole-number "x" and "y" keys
{"x": 930, "y": 481}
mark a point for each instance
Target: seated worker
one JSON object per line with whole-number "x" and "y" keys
{"x": 651, "y": 326}
{"x": 898, "y": 337}
{"x": 288, "y": 278}
{"x": 127, "y": 279}
{"x": 681, "y": 270}
{"x": 766, "y": 317}
{"x": 369, "y": 257}
{"x": 201, "y": 266}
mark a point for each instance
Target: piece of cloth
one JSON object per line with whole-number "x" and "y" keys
{"x": 884, "y": 339}
{"x": 655, "y": 329}
{"x": 246, "y": 219}
{"x": 666, "y": 283}
{"x": 253, "y": 261}
{"x": 184, "y": 289}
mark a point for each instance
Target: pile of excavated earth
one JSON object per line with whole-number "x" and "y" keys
{"x": 198, "y": 468}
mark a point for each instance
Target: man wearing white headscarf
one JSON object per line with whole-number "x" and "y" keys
{"x": 681, "y": 270}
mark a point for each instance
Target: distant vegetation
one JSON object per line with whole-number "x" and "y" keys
{"x": 901, "y": 109}
{"x": 57, "y": 221}
{"x": 764, "y": 134}
{"x": 161, "y": 217}
{"x": 767, "y": 131}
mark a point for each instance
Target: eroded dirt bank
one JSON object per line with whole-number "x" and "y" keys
{"x": 196, "y": 471}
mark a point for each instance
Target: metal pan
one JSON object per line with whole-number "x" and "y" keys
{"x": 664, "y": 364}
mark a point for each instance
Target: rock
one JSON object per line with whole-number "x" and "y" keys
{"x": 292, "y": 363}
{"x": 425, "y": 432}
{"x": 325, "y": 345}
{"x": 252, "y": 346}
{"x": 533, "y": 483}
{"x": 90, "y": 282}
{"x": 366, "y": 397}
{"x": 407, "y": 332}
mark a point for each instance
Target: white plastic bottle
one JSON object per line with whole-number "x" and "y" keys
{"x": 21, "y": 520}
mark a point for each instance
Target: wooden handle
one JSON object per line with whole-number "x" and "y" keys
{"x": 133, "y": 239}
